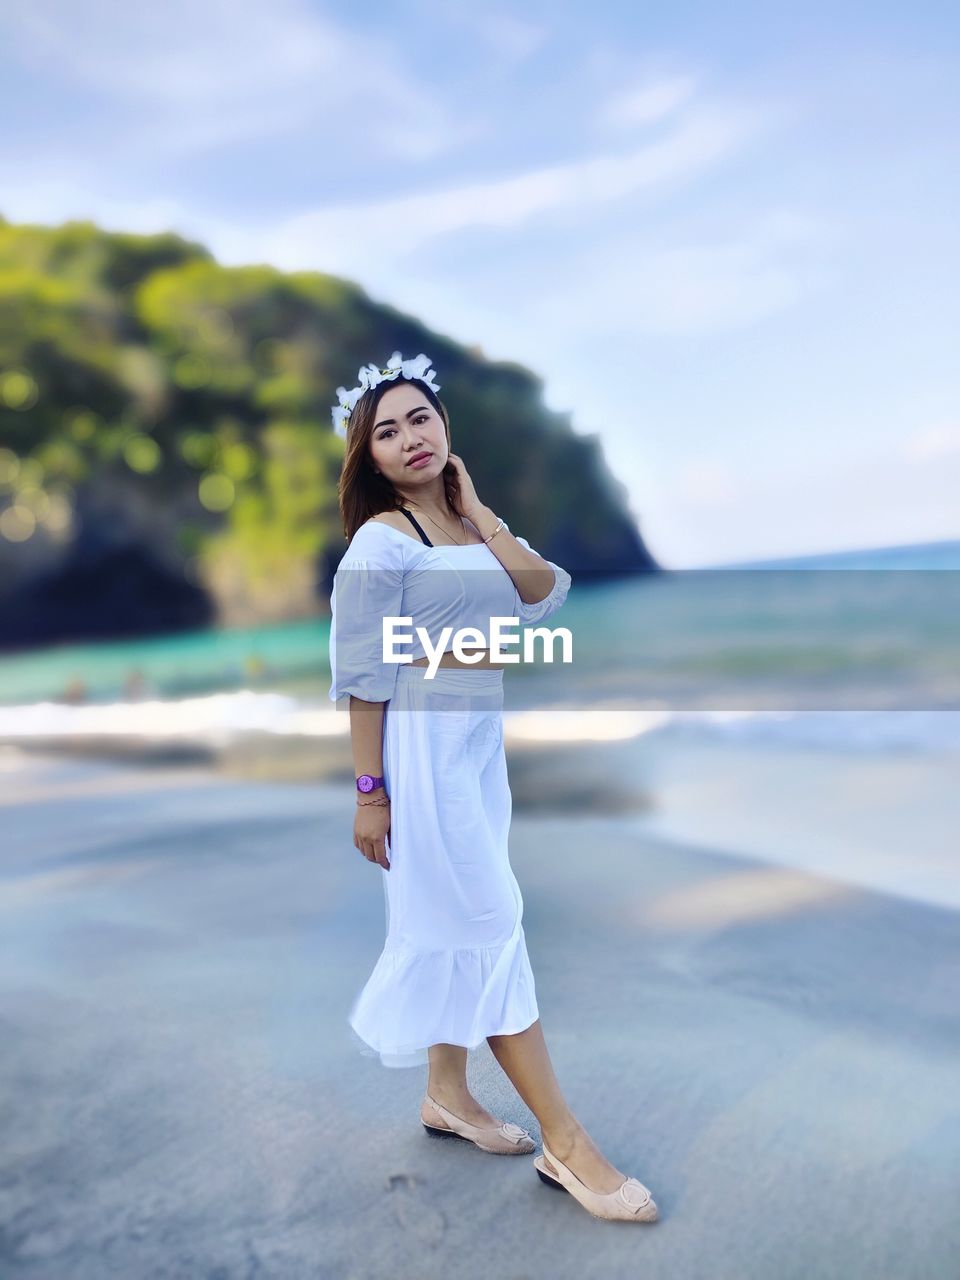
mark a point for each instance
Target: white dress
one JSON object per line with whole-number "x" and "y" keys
{"x": 454, "y": 967}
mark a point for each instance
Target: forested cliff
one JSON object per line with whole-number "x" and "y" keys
{"x": 167, "y": 458}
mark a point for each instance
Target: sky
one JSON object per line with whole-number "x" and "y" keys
{"x": 724, "y": 235}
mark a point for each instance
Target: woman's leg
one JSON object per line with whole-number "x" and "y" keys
{"x": 525, "y": 1060}
{"x": 447, "y": 1084}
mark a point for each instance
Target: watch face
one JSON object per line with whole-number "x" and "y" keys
{"x": 365, "y": 782}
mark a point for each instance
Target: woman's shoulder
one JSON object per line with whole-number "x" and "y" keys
{"x": 378, "y": 536}
{"x": 395, "y": 520}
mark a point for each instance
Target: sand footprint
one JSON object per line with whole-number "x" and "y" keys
{"x": 414, "y": 1214}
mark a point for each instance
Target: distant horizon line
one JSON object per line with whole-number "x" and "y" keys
{"x": 828, "y": 555}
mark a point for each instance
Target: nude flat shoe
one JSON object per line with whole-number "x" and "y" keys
{"x": 506, "y": 1140}
{"x": 631, "y": 1202}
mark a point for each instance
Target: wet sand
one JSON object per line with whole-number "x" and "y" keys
{"x": 774, "y": 1053}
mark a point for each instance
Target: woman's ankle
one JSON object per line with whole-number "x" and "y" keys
{"x": 562, "y": 1138}
{"x": 448, "y": 1092}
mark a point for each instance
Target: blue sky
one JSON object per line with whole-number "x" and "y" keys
{"x": 724, "y": 235}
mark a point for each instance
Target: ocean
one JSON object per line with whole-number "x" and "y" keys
{"x": 798, "y": 714}
{"x": 856, "y": 649}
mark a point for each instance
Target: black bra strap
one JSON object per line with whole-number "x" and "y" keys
{"x": 410, "y": 517}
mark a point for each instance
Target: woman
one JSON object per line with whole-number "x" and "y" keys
{"x": 433, "y": 799}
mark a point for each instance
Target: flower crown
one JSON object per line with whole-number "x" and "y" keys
{"x": 371, "y": 376}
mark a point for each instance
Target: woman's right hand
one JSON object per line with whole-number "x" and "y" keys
{"x": 371, "y": 828}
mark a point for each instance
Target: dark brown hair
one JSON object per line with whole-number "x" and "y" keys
{"x": 362, "y": 491}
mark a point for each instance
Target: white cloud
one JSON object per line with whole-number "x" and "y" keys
{"x": 356, "y": 238}
{"x": 509, "y": 36}
{"x": 627, "y": 285}
{"x": 646, "y": 104}
{"x": 50, "y": 199}
{"x": 190, "y": 77}
{"x": 375, "y": 242}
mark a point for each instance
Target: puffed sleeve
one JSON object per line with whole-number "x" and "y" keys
{"x": 543, "y": 608}
{"x": 367, "y": 587}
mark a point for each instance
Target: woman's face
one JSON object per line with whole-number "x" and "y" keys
{"x": 406, "y": 426}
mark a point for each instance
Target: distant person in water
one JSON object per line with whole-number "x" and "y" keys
{"x": 254, "y": 667}
{"x": 75, "y": 690}
{"x": 135, "y": 686}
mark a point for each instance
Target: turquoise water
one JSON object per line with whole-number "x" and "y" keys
{"x": 757, "y": 635}
{"x": 188, "y": 662}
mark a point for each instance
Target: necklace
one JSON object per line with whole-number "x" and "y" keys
{"x": 441, "y": 528}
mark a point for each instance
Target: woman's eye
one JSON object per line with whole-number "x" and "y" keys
{"x": 390, "y": 431}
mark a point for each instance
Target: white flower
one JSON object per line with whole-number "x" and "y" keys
{"x": 370, "y": 376}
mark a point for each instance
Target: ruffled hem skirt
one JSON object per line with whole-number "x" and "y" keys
{"x": 454, "y": 968}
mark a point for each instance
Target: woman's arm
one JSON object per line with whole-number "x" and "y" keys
{"x": 541, "y": 584}
{"x": 533, "y": 576}
{"x": 366, "y": 739}
{"x": 371, "y": 826}
{"x": 368, "y": 587}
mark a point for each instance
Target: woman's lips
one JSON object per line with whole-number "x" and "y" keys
{"x": 420, "y": 460}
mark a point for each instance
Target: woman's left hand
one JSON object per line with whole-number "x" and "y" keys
{"x": 469, "y": 502}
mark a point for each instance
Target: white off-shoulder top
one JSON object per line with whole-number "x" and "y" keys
{"x": 386, "y": 573}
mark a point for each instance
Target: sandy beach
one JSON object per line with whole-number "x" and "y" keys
{"x": 772, "y": 1051}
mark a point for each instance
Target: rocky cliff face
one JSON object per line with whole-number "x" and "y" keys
{"x": 166, "y": 454}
